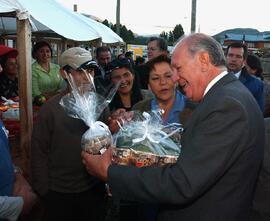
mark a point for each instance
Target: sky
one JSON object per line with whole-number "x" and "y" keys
{"x": 147, "y": 17}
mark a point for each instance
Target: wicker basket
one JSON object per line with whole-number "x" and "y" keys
{"x": 123, "y": 156}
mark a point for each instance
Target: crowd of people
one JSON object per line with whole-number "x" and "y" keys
{"x": 220, "y": 98}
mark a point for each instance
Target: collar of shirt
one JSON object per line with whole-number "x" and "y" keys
{"x": 102, "y": 71}
{"x": 215, "y": 80}
{"x": 237, "y": 74}
{"x": 178, "y": 106}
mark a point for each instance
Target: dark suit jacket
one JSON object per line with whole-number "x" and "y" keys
{"x": 214, "y": 177}
{"x": 102, "y": 85}
{"x": 261, "y": 202}
{"x": 254, "y": 85}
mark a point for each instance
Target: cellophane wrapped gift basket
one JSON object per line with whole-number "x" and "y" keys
{"x": 84, "y": 103}
{"x": 145, "y": 141}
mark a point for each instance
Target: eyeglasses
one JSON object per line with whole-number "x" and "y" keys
{"x": 152, "y": 49}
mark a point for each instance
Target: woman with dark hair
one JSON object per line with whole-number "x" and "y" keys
{"x": 46, "y": 79}
{"x": 254, "y": 66}
{"x": 176, "y": 108}
{"x": 128, "y": 92}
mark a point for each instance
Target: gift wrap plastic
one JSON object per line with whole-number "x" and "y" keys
{"x": 84, "y": 103}
{"x": 145, "y": 141}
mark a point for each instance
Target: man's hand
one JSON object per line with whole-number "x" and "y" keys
{"x": 23, "y": 189}
{"x": 119, "y": 117}
{"x": 97, "y": 165}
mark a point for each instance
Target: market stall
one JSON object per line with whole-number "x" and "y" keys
{"x": 25, "y": 17}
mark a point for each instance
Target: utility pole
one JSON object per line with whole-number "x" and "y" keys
{"x": 118, "y": 17}
{"x": 118, "y": 23}
{"x": 193, "y": 16}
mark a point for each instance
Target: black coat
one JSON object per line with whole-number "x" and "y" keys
{"x": 214, "y": 177}
{"x": 261, "y": 202}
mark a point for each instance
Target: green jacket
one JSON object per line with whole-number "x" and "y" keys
{"x": 43, "y": 82}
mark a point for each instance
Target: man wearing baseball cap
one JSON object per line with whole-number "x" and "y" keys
{"x": 58, "y": 175}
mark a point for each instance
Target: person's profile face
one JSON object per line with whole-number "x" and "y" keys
{"x": 188, "y": 73}
{"x": 161, "y": 82}
{"x": 235, "y": 59}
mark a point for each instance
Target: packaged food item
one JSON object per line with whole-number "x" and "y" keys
{"x": 145, "y": 141}
{"x": 84, "y": 103}
{"x": 10, "y": 109}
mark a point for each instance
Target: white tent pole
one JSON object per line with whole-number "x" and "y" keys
{"x": 25, "y": 88}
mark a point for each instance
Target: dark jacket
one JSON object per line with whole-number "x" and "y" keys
{"x": 137, "y": 96}
{"x": 254, "y": 85}
{"x": 214, "y": 177}
{"x": 8, "y": 88}
{"x": 261, "y": 202}
{"x": 56, "y": 152}
{"x": 6, "y": 166}
{"x": 102, "y": 84}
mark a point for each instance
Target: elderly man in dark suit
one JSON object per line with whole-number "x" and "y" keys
{"x": 222, "y": 145}
{"x": 261, "y": 202}
{"x": 236, "y": 55}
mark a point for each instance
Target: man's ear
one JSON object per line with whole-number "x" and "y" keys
{"x": 204, "y": 60}
{"x": 63, "y": 73}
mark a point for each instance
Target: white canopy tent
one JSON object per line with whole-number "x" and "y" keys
{"x": 49, "y": 15}
{"x": 107, "y": 35}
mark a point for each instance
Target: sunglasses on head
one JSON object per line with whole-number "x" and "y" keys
{"x": 119, "y": 63}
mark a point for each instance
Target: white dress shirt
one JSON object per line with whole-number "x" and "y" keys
{"x": 215, "y": 80}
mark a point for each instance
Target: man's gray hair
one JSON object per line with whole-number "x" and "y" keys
{"x": 201, "y": 42}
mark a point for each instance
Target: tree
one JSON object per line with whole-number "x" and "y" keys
{"x": 106, "y": 22}
{"x": 178, "y": 32}
{"x": 172, "y": 36}
{"x": 125, "y": 34}
{"x": 164, "y": 35}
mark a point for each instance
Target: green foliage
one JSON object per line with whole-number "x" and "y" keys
{"x": 178, "y": 32}
{"x": 106, "y": 22}
{"x": 140, "y": 40}
{"x": 164, "y": 35}
{"x": 125, "y": 34}
{"x": 129, "y": 38}
{"x": 172, "y": 36}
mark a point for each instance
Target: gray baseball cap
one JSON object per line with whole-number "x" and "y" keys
{"x": 77, "y": 58}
